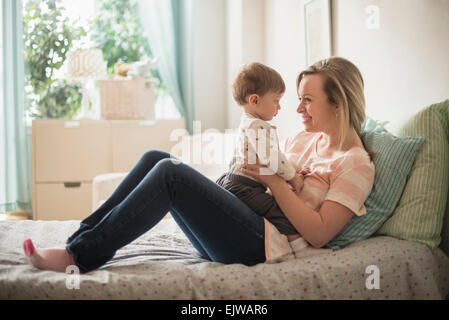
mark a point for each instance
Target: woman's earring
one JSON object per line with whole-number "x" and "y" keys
{"x": 337, "y": 115}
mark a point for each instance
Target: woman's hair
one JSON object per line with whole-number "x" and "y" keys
{"x": 256, "y": 78}
{"x": 344, "y": 87}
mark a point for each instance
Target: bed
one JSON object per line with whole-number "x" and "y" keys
{"x": 162, "y": 264}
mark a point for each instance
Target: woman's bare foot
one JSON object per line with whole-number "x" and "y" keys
{"x": 55, "y": 259}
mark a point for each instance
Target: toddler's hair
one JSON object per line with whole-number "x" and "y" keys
{"x": 256, "y": 78}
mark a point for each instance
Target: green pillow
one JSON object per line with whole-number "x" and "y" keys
{"x": 420, "y": 212}
{"x": 444, "y": 117}
{"x": 445, "y": 232}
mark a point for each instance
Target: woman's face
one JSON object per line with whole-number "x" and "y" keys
{"x": 318, "y": 114}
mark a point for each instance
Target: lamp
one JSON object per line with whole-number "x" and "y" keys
{"x": 84, "y": 65}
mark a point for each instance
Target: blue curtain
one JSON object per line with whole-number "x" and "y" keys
{"x": 167, "y": 24}
{"x": 15, "y": 170}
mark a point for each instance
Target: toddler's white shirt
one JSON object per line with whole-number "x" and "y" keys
{"x": 262, "y": 140}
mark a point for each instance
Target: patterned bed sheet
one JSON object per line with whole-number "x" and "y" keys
{"x": 162, "y": 264}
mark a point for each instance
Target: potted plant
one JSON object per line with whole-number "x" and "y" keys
{"x": 48, "y": 36}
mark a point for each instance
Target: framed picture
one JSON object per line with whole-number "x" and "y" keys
{"x": 317, "y": 26}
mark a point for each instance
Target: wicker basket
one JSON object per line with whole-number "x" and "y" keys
{"x": 126, "y": 99}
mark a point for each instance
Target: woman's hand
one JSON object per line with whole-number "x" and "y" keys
{"x": 258, "y": 171}
{"x": 297, "y": 182}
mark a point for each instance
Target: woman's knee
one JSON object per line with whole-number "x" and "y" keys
{"x": 171, "y": 169}
{"x": 154, "y": 155}
{"x": 169, "y": 164}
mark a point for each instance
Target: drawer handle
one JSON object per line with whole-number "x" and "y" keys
{"x": 71, "y": 124}
{"x": 147, "y": 123}
{"x": 72, "y": 184}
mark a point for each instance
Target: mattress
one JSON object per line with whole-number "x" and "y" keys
{"x": 161, "y": 264}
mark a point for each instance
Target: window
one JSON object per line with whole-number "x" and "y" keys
{"x": 54, "y": 27}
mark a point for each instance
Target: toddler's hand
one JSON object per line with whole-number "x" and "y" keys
{"x": 304, "y": 171}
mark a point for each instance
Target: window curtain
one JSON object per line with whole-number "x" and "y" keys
{"x": 15, "y": 184}
{"x": 167, "y": 24}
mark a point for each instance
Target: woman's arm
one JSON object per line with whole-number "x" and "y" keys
{"x": 317, "y": 227}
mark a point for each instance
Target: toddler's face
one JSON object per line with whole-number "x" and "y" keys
{"x": 268, "y": 105}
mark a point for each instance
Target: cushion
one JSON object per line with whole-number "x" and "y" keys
{"x": 103, "y": 185}
{"x": 420, "y": 212}
{"x": 371, "y": 125}
{"x": 444, "y": 117}
{"x": 393, "y": 162}
{"x": 445, "y": 232}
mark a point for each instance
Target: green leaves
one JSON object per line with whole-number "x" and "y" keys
{"x": 60, "y": 99}
{"x": 48, "y": 36}
{"x": 118, "y": 32}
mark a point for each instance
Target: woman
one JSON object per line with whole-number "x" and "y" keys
{"x": 219, "y": 225}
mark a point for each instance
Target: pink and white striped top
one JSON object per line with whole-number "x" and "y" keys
{"x": 346, "y": 179}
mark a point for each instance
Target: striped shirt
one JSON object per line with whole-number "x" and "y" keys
{"x": 346, "y": 179}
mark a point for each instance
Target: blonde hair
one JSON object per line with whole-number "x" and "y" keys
{"x": 344, "y": 87}
{"x": 256, "y": 78}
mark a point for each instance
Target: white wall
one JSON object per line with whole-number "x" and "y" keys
{"x": 209, "y": 63}
{"x": 1, "y": 57}
{"x": 268, "y": 31}
{"x": 234, "y": 55}
{"x": 405, "y": 62}
{"x": 226, "y": 34}
{"x": 245, "y": 43}
{"x": 253, "y": 30}
{"x": 285, "y": 53}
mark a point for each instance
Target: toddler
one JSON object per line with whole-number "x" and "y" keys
{"x": 258, "y": 89}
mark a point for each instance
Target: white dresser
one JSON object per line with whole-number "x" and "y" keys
{"x": 67, "y": 155}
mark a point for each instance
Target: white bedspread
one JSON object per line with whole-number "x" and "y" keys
{"x": 162, "y": 264}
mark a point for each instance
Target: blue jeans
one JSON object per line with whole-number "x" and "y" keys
{"x": 220, "y": 226}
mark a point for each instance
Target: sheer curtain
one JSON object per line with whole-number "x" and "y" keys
{"x": 167, "y": 24}
{"x": 15, "y": 184}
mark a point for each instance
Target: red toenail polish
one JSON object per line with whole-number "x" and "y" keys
{"x": 28, "y": 247}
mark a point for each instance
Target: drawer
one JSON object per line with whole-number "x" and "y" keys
{"x": 59, "y": 201}
{"x": 130, "y": 139}
{"x": 71, "y": 150}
